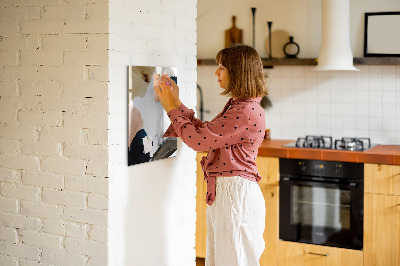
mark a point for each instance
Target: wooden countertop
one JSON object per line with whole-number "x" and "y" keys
{"x": 380, "y": 154}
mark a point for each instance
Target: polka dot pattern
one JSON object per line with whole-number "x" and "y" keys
{"x": 232, "y": 139}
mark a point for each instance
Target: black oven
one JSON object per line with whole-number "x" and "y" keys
{"x": 321, "y": 202}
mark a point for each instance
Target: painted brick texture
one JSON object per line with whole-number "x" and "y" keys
{"x": 152, "y": 205}
{"x": 63, "y": 72}
{"x": 53, "y": 136}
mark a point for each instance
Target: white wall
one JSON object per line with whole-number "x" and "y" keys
{"x": 152, "y": 205}
{"x": 337, "y": 103}
{"x": 53, "y": 135}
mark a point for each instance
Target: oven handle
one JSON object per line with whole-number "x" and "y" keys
{"x": 310, "y": 182}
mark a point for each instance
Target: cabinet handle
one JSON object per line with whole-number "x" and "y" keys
{"x": 318, "y": 254}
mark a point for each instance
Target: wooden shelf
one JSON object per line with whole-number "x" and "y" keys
{"x": 289, "y": 62}
{"x": 269, "y": 63}
{"x": 377, "y": 61}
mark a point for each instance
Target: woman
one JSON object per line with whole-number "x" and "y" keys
{"x": 236, "y": 211}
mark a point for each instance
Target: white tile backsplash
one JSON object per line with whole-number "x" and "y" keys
{"x": 363, "y": 103}
{"x": 311, "y": 121}
{"x": 348, "y": 109}
{"x": 376, "y": 136}
{"x": 323, "y": 108}
{"x": 349, "y": 122}
{"x": 362, "y": 78}
{"x": 375, "y": 123}
{"x": 375, "y": 83}
{"x": 375, "y": 97}
{"x": 375, "y": 110}
{"x": 310, "y": 108}
{"x": 323, "y": 95}
{"x": 362, "y": 110}
{"x": 336, "y": 109}
{"x": 336, "y": 96}
{"x": 389, "y": 83}
{"x": 298, "y": 83}
{"x": 323, "y": 121}
{"x": 336, "y": 122}
{"x": 389, "y": 110}
{"x": 362, "y": 97}
{"x": 349, "y": 96}
{"x": 360, "y": 132}
{"x": 389, "y": 124}
{"x": 348, "y": 132}
{"x": 389, "y": 97}
{"x": 362, "y": 123}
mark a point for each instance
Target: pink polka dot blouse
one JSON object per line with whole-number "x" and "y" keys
{"x": 232, "y": 139}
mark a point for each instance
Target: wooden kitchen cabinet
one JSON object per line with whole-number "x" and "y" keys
{"x": 201, "y": 205}
{"x": 382, "y": 215}
{"x": 382, "y": 179}
{"x": 271, "y": 232}
{"x": 300, "y": 254}
{"x": 269, "y": 170}
{"x": 381, "y": 230}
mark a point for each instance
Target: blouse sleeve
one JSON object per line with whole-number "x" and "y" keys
{"x": 231, "y": 128}
{"x": 187, "y": 113}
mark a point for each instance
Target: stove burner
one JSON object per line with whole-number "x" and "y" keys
{"x": 353, "y": 144}
{"x": 324, "y": 142}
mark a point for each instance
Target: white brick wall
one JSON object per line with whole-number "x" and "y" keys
{"x": 63, "y": 131}
{"x": 152, "y": 205}
{"x": 53, "y": 136}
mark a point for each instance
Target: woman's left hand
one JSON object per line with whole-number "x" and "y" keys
{"x": 165, "y": 95}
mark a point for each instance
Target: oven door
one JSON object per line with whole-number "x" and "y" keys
{"x": 321, "y": 212}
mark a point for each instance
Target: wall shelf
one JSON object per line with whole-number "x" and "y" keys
{"x": 269, "y": 63}
{"x": 288, "y": 62}
{"x": 377, "y": 61}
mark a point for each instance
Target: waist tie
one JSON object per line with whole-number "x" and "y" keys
{"x": 210, "y": 196}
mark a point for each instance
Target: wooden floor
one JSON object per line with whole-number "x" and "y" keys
{"x": 200, "y": 262}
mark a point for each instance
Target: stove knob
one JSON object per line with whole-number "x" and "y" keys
{"x": 338, "y": 169}
{"x": 302, "y": 166}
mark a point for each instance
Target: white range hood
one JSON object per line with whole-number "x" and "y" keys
{"x": 335, "y": 52}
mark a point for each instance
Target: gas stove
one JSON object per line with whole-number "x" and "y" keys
{"x": 326, "y": 142}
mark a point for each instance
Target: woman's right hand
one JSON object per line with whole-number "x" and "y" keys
{"x": 175, "y": 91}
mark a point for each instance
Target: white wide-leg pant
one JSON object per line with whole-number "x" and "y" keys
{"x": 235, "y": 223}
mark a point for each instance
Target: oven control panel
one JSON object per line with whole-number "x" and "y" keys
{"x": 317, "y": 168}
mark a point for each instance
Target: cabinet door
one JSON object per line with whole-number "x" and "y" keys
{"x": 382, "y": 179}
{"x": 299, "y": 254}
{"x": 271, "y": 232}
{"x": 381, "y": 230}
{"x": 268, "y": 167}
{"x": 201, "y": 205}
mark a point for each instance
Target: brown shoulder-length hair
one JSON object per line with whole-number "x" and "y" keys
{"x": 245, "y": 69}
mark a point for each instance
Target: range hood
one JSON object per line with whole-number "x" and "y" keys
{"x": 335, "y": 52}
